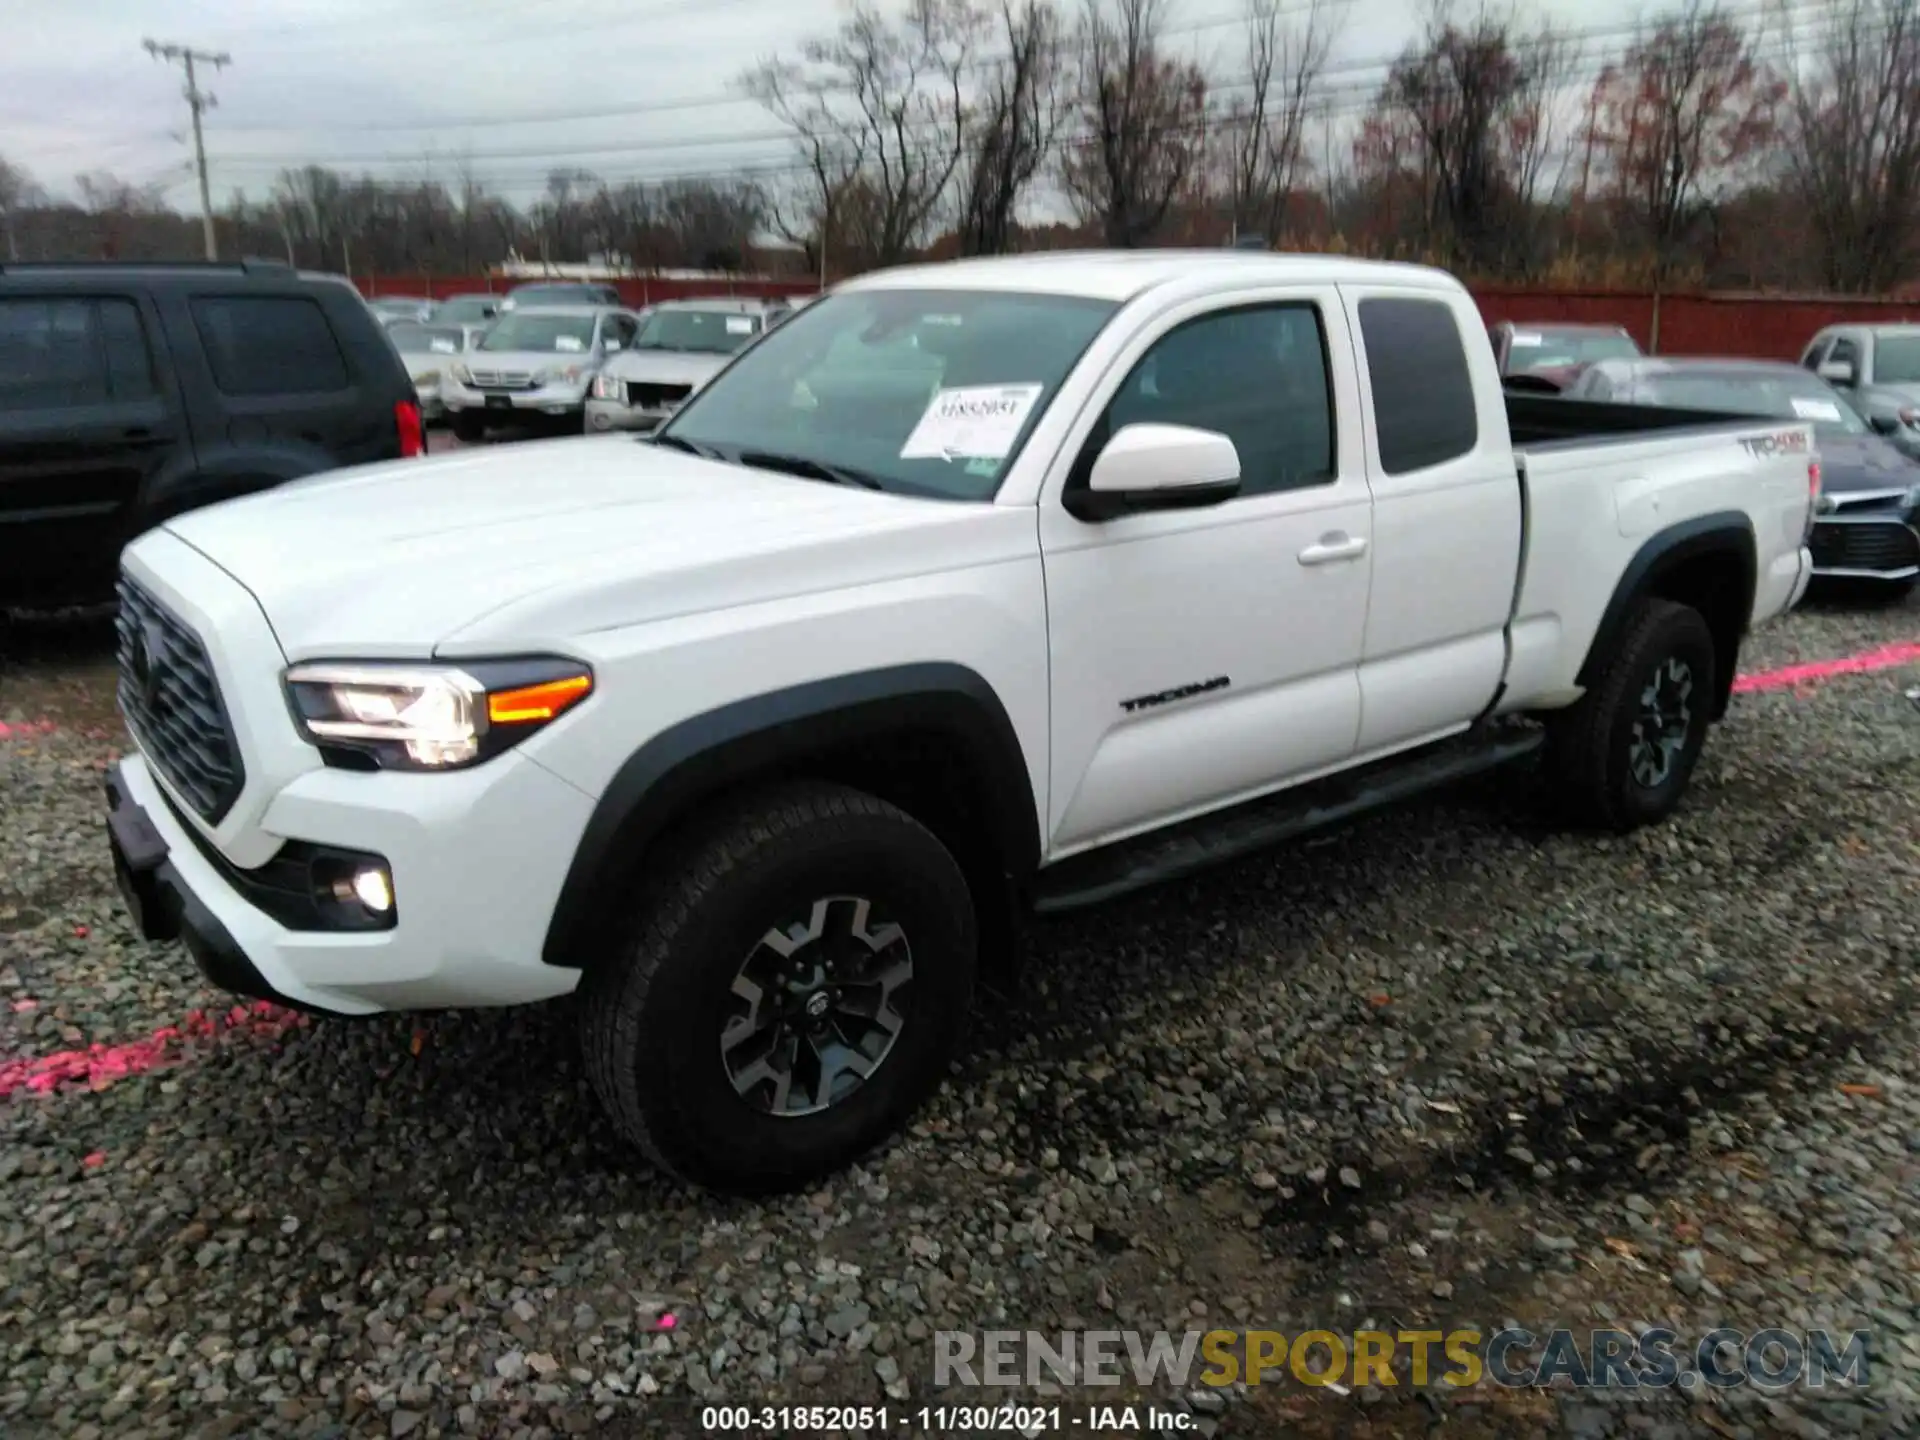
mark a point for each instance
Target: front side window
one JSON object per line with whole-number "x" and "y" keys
{"x": 919, "y": 392}
{"x": 269, "y": 345}
{"x": 1896, "y": 360}
{"x": 1259, "y": 376}
{"x": 563, "y": 334}
{"x": 1424, "y": 406}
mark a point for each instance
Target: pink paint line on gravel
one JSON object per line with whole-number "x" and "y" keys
{"x": 1811, "y": 673}
{"x": 98, "y": 1066}
{"x": 9, "y": 730}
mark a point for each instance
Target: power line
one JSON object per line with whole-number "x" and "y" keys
{"x": 198, "y": 101}
{"x": 552, "y": 155}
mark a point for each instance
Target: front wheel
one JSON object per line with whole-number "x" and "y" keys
{"x": 1623, "y": 755}
{"x": 787, "y": 994}
{"x": 468, "y": 428}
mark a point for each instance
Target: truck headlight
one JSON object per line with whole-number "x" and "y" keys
{"x": 378, "y": 715}
{"x": 607, "y": 387}
{"x": 460, "y": 373}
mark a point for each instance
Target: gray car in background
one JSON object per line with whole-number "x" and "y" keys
{"x": 682, "y": 345}
{"x": 427, "y": 351}
{"x": 391, "y": 309}
{"x": 471, "y": 313}
{"x": 1864, "y": 531}
{"x": 1878, "y": 366}
{"x": 534, "y": 366}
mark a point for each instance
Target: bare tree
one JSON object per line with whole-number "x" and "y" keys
{"x": 1016, "y": 118}
{"x": 1145, "y": 117}
{"x": 1854, "y": 156}
{"x": 1265, "y": 134}
{"x": 1688, "y": 107}
{"x": 878, "y": 108}
{"x": 17, "y": 192}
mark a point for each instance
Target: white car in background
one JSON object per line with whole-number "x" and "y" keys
{"x": 427, "y": 351}
{"x": 534, "y": 366}
{"x": 682, "y": 345}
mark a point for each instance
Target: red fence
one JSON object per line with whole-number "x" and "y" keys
{"x": 642, "y": 290}
{"x": 1765, "y": 326}
{"x": 1772, "y": 327}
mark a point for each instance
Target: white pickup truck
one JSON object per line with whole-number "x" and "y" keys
{"x": 972, "y": 589}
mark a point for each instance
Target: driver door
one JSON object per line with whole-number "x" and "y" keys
{"x": 1205, "y": 656}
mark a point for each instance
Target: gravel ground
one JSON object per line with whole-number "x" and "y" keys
{"x": 1448, "y": 1068}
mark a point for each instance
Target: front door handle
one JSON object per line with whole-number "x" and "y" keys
{"x": 1337, "y": 546}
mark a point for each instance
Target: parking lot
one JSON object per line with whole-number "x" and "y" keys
{"x": 1449, "y": 1069}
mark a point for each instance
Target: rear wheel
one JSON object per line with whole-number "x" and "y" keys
{"x": 788, "y": 994}
{"x": 1623, "y": 756}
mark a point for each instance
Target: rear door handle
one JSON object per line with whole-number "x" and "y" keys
{"x": 1330, "y": 548}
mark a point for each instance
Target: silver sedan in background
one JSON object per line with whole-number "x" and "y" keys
{"x": 680, "y": 347}
{"x": 427, "y": 351}
{"x": 534, "y": 367}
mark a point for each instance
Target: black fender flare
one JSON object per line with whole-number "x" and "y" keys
{"x": 1724, "y": 532}
{"x": 711, "y": 752}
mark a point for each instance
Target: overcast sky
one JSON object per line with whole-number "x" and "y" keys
{"x": 631, "y": 89}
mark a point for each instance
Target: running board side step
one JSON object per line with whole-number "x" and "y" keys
{"x": 1185, "y": 849}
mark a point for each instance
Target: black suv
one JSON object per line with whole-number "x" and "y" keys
{"x": 130, "y": 393}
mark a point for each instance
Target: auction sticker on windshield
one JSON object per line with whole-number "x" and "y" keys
{"x": 739, "y": 325}
{"x": 1815, "y": 409}
{"x": 973, "y": 422}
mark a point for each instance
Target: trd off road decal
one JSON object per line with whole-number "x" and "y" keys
{"x": 1786, "y": 442}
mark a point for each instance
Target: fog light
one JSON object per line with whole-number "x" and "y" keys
{"x": 369, "y": 886}
{"x": 374, "y": 890}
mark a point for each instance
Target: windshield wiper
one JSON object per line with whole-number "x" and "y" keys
{"x": 674, "y": 442}
{"x": 808, "y": 468}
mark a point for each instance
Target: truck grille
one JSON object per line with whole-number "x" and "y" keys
{"x": 1876, "y": 545}
{"x": 172, "y": 704}
{"x": 502, "y": 379}
{"x": 656, "y": 397}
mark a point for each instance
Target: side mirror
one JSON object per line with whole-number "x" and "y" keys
{"x": 612, "y": 346}
{"x": 1836, "y": 372}
{"x": 1158, "y": 467}
{"x": 1885, "y": 424}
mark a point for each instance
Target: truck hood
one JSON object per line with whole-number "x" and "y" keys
{"x": 533, "y": 543}
{"x": 665, "y": 367}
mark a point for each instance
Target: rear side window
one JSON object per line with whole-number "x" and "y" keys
{"x": 1423, "y": 400}
{"x": 50, "y": 356}
{"x": 269, "y": 345}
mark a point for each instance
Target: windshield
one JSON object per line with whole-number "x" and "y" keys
{"x": 923, "y": 392}
{"x": 554, "y": 295}
{"x": 1789, "y": 395}
{"x": 1896, "y": 360}
{"x": 1544, "y": 350}
{"x": 397, "y": 303}
{"x": 425, "y": 339}
{"x": 711, "y": 332}
{"x": 521, "y": 331}
{"x": 464, "y": 309}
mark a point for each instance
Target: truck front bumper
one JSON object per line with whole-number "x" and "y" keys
{"x": 471, "y": 890}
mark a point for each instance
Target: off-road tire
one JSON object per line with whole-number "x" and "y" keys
{"x": 1591, "y": 745}
{"x": 652, "y": 1010}
{"x": 467, "y": 429}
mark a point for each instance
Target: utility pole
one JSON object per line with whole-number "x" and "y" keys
{"x": 198, "y": 101}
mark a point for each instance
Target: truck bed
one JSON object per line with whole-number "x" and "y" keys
{"x": 1598, "y": 480}
{"x": 1545, "y": 422}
